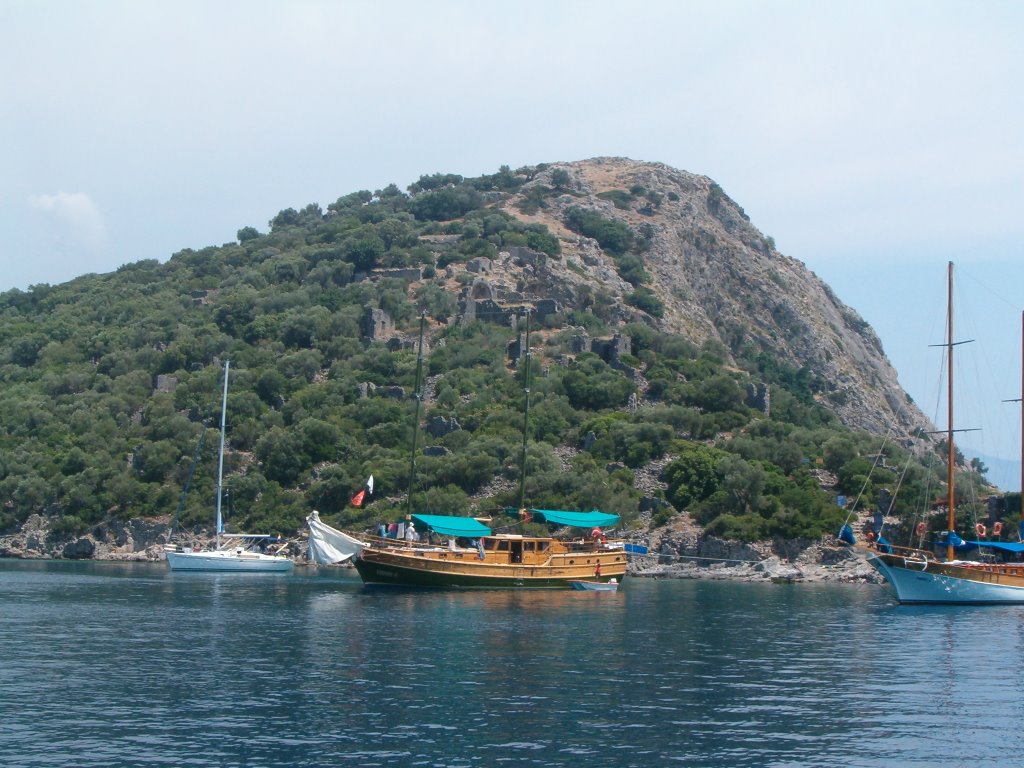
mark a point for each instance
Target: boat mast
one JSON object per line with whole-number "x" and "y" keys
{"x": 526, "y": 417}
{"x": 416, "y": 419}
{"x": 1020, "y": 527}
{"x": 949, "y": 415}
{"x": 220, "y": 460}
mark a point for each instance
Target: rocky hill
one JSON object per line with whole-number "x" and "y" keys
{"x": 718, "y": 278}
{"x": 677, "y": 350}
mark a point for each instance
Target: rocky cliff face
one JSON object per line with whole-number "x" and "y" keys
{"x": 720, "y": 279}
{"x": 116, "y": 540}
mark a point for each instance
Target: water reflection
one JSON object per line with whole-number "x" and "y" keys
{"x": 128, "y": 665}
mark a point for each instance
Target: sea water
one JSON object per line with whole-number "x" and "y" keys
{"x": 105, "y": 664}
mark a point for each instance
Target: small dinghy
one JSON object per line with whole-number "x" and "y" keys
{"x": 595, "y": 586}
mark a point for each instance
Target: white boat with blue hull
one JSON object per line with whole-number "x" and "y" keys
{"x": 917, "y": 576}
{"x": 919, "y": 579}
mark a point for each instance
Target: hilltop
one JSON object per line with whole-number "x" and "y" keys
{"x": 718, "y": 278}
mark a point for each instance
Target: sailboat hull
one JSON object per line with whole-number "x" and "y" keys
{"x": 229, "y": 560}
{"x": 919, "y": 581}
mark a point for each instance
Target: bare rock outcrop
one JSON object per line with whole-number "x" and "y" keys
{"x": 682, "y": 550}
{"x": 720, "y": 279}
{"x": 115, "y": 540}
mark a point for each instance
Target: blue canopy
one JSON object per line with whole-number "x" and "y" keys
{"x": 575, "y": 519}
{"x": 1004, "y": 546}
{"x": 448, "y": 525}
{"x": 846, "y": 534}
{"x": 959, "y": 545}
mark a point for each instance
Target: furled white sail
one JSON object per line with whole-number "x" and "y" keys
{"x": 329, "y": 546}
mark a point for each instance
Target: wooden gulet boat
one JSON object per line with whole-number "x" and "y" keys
{"x": 918, "y": 577}
{"x": 500, "y": 560}
{"x": 520, "y": 562}
{"x": 475, "y": 557}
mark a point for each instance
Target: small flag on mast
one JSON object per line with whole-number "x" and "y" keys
{"x": 366, "y": 490}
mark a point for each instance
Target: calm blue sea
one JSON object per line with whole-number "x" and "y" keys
{"x": 105, "y": 664}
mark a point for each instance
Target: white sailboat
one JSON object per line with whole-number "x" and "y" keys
{"x": 917, "y": 576}
{"x": 232, "y": 552}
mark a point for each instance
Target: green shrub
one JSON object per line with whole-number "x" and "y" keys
{"x": 644, "y": 299}
{"x": 614, "y": 236}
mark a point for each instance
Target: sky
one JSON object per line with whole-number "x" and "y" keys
{"x": 875, "y": 141}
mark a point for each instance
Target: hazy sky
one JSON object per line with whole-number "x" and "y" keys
{"x": 874, "y": 141}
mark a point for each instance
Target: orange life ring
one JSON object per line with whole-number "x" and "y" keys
{"x": 921, "y": 528}
{"x": 997, "y": 527}
{"x": 981, "y": 529}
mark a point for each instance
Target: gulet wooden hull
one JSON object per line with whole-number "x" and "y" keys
{"x": 406, "y": 569}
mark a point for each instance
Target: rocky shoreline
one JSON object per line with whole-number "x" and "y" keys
{"x": 683, "y": 551}
{"x": 132, "y": 540}
{"x": 678, "y": 551}
{"x": 848, "y": 569}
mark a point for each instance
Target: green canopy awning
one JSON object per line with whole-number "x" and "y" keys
{"x": 575, "y": 519}
{"x": 447, "y": 525}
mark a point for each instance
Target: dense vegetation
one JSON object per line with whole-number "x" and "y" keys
{"x": 109, "y": 385}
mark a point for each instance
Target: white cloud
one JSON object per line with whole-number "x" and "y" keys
{"x": 72, "y": 219}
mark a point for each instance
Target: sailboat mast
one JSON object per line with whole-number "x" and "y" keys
{"x": 1020, "y": 527}
{"x": 526, "y": 417}
{"x": 949, "y": 415}
{"x": 220, "y": 460}
{"x": 416, "y": 419}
